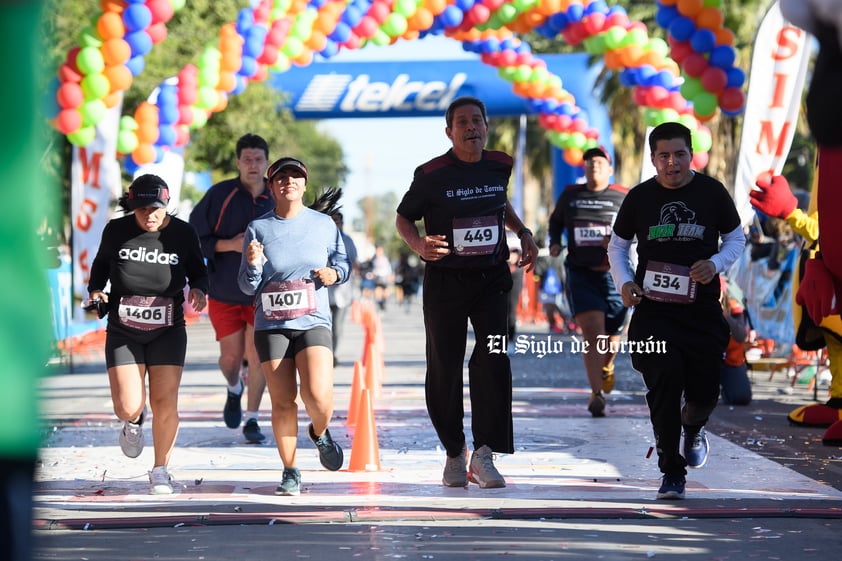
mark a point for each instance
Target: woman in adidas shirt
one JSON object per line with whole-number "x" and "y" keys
{"x": 148, "y": 256}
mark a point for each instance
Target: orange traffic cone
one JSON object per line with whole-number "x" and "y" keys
{"x": 357, "y": 385}
{"x": 373, "y": 364}
{"x": 365, "y": 452}
{"x": 356, "y": 314}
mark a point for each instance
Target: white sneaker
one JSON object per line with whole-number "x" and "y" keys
{"x": 482, "y": 470}
{"x": 131, "y": 437}
{"x": 160, "y": 482}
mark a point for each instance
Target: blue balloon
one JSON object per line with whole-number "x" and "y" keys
{"x": 666, "y": 15}
{"x": 341, "y": 32}
{"x": 575, "y": 13}
{"x": 136, "y": 64}
{"x": 245, "y": 19}
{"x": 166, "y": 135}
{"x": 130, "y": 165}
{"x": 240, "y": 85}
{"x": 664, "y": 78}
{"x": 248, "y": 66}
{"x": 566, "y": 109}
{"x": 317, "y": 3}
{"x": 465, "y": 5}
{"x": 736, "y": 77}
{"x": 722, "y": 56}
{"x": 351, "y": 16}
{"x": 136, "y": 17}
{"x": 703, "y": 41}
{"x": 627, "y": 77}
{"x": 645, "y": 74}
{"x": 597, "y": 6}
{"x": 559, "y": 20}
{"x": 682, "y": 28}
{"x": 139, "y": 41}
{"x": 331, "y": 49}
{"x": 451, "y": 16}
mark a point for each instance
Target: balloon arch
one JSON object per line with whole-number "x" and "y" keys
{"x": 687, "y": 78}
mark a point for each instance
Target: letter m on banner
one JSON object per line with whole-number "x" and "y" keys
{"x": 778, "y": 71}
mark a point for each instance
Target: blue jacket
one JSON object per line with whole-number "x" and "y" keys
{"x": 224, "y": 212}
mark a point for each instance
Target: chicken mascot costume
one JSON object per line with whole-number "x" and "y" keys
{"x": 820, "y": 287}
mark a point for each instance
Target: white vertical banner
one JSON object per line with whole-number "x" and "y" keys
{"x": 647, "y": 169}
{"x": 778, "y": 71}
{"x": 95, "y": 181}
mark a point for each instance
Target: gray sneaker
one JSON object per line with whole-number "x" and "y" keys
{"x": 290, "y": 483}
{"x": 455, "y": 471}
{"x": 131, "y": 437}
{"x": 482, "y": 471}
{"x": 160, "y": 482}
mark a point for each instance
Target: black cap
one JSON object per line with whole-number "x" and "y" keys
{"x": 596, "y": 153}
{"x": 148, "y": 190}
{"x": 285, "y": 162}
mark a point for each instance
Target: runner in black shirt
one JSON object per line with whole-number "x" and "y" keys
{"x": 148, "y": 256}
{"x": 461, "y": 197}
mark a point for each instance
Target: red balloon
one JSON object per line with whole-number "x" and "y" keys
{"x": 157, "y": 32}
{"x": 714, "y": 79}
{"x": 67, "y": 73}
{"x": 367, "y": 27}
{"x": 162, "y": 10}
{"x": 679, "y": 50}
{"x": 732, "y": 99}
{"x": 700, "y": 160}
{"x": 379, "y": 11}
{"x": 68, "y": 121}
{"x": 493, "y": 4}
{"x": 694, "y": 64}
{"x": 594, "y": 23}
{"x": 70, "y": 95}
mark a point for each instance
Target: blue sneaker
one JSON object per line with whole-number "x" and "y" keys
{"x": 290, "y": 483}
{"x": 672, "y": 487}
{"x": 696, "y": 449}
{"x": 330, "y": 453}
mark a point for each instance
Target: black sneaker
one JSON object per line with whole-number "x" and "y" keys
{"x": 290, "y": 483}
{"x": 696, "y": 448}
{"x": 252, "y": 432}
{"x": 330, "y": 453}
{"x": 233, "y": 412}
{"x": 672, "y": 487}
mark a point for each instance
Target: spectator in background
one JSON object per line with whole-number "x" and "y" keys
{"x": 220, "y": 218}
{"x": 736, "y": 387}
{"x": 383, "y": 275}
{"x": 407, "y": 279}
{"x": 517, "y": 284}
{"x": 341, "y": 296}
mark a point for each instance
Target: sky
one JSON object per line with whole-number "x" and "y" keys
{"x": 382, "y": 154}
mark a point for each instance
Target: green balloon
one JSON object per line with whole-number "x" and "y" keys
{"x": 522, "y": 73}
{"x": 95, "y": 86}
{"x": 614, "y": 37}
{"x": 658, "y": 45}
{"x": 208, "y": 97}
{"x": 596, "y": 44}
{"x": 394, "y": 25}
{"x": 507, "y": 13}
{"x": 637, "y": 37}
{"x": 292, "y": 47}
{"x": 652, "y": 117}
{"x": 92, "y": 112}
{"x": 702, "y": 141}
{"x": 381, "y": 38}
{"x": 507, "y": 72}
{"x": 405, "y": 7}
{"x": 690, "y": 88}
{"x": 126, "y": 141}
{"x": 208, "y": 76}
{"x": 669, "y": 115}
{"x": 578, "y": 140}
{"x": 689, "y": 121}
{"x": 89, "y": 37}
{"x": 90, "y": 61}
{"x": 127, "y": 122}
{"x": 200, "y": 117}
{"x": 83, "y": 136}
{"x": 704, "y": 103}
{"x": 177, "y": 4}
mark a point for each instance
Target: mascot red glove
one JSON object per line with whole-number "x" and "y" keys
{"x": 774, "y": 198}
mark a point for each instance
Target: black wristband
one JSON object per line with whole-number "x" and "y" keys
{"x": 523, "y": 231}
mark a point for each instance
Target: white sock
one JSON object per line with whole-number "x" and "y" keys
{"x": 248, "y": 415}
{"x": 238, "y": 388}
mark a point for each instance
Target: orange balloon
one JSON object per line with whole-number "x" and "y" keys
{"x": 710, "y": 18}
{"x": 573, "y": 156}
{"x": 146, "y": 113}
{"x": 549, "y": 7}
{"x": 221, "y": 102}
{"x": 231, "y": 61}
{"x": 325, "y": 23}
{"x": 436, "y": 7}
{"x": 144, "y": 153}
{"x": 411, "y": 35}
{"x": 421, "y": 19}
{"x": 650, "y": 57}
{"x": 115, "y": 51}
{"x": 119, "y": 77}
{"x": 110, "y": 26}
{"x": 112, "y": 99}
{"x": 690, "y": 8}
{"x": 304, "y": 59}
{"x": 534, "y": 19}
{"x": 112, "y": 6}
{"x": 227, "y": 81}
{"x": 613, "y": 60}
{"x": 147, "y": 133}
{"x": 316, "y": 42}
{"x": 724, "y": 36}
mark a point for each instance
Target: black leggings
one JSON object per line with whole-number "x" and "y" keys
{"x": 453, "y": 297}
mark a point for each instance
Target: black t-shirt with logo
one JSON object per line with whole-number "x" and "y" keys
{"x": 677, "y": 226}
{"x": 466, "y": 202}
{"x": 586, "y": 217}
{"x": 141, "y": 263}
